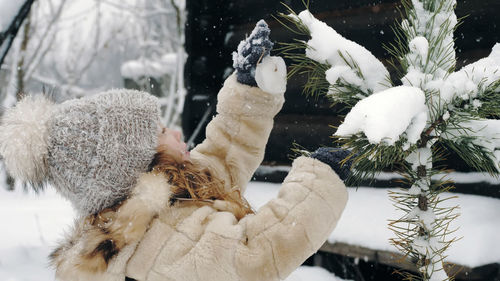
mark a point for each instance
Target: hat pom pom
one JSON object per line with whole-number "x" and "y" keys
{"x": 24, "y": 136}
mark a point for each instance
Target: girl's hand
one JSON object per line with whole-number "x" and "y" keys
{"x": 251, "y": 52}
{"x": 332, "y": 157}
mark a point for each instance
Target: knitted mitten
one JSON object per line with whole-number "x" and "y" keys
{"x": 250, "y": 52}
{"x": 332, "y": 157}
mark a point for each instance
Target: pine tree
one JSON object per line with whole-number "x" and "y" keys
{"x": 433, "y": 111}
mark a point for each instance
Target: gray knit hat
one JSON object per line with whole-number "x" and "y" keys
{"x": 90, "y": 149}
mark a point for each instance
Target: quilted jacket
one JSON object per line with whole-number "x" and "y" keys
{"x": 148, "y": 239}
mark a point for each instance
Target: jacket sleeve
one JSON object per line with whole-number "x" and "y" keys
{"x": 293, "y": 226}
{"x": 237, "y": 136}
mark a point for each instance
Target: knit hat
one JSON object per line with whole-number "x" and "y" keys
{"x": 90, "y": 149}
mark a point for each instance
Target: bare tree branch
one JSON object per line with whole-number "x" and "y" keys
{"x": 38, "y": 54}
{"x": 7, "y": 37}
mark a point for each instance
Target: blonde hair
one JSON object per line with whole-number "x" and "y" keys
{"x": 195, "y": 185}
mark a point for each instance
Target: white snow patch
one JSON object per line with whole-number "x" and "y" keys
{"x": 420, "y": 157}
{"x": 32, "y": 223}
{"x": 428, "y": 66}
{"x": 312, "y": 273}
{"x": 265, "y": 170}
{"x": 25, "y": 263}
{"x": 8, "y": 10}
{"x": 472, "y": 78}
{"x": 260, "y": 193}
{"x": 424, "y": 246}
{"x": 419, "y": 46}
{"x": 385, "y": 116}
{"x": 33, "y": 219}
{"x": 345, "y": 73}
{"x": 143, "y": 67}
{"x": 426, "y": 217}
{"x": 439, "y": 274}
{"x": 418, "y": 187}
{"x": 270, "y": 75}
{"x": 326, "y": 46}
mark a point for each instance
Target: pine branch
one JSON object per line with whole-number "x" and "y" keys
{"x": 292, "y": 22}
{"x": 298, "y": 150}
{"x": 370, "y": 159}
{"x": 490, "y": 101}
{"x": 483, "y": 104}
{"x": 347, "y": 58}
{"x": 346, "y": 89}
{"x": 316, "y": 83}
{"x": 475, "y": 156}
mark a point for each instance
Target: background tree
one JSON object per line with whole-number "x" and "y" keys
{"x": 76, "y": 48}
{"x": 159, "y": 67}
{"x": 12, "y": 15}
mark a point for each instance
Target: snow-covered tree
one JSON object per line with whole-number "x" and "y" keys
{"x": 33, "y": 43}
{"x": 409, "y": 122}
{"x": 68, "y": 46}
{"x": 78, "y": 47}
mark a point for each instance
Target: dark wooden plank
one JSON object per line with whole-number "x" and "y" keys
{"x": 310, "y": 131}
{"x": 398, "y": 261}
{"x": 270, "y": 172}
{"x": 257, "y": 9}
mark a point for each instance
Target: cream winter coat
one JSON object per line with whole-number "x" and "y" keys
{"x": 146, "y": 238}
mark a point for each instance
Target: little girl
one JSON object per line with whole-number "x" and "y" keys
{"x": 149, "y": 209}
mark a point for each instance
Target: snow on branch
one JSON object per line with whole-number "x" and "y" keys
{"x": 350, "y": 62}
{"x": 472, "y": 80}
{"x": 385, "y": 116}
{"x": 429, "y": 23}
{"x": 483, "y": 134}
{"x": 143, "y": 67}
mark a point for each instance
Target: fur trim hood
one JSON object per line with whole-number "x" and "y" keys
{"x": 96, "y": 239}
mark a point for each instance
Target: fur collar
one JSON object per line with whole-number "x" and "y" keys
{"x": 96, "y": 239}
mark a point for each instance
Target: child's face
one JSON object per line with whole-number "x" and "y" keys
{"x": 172, "y": 139}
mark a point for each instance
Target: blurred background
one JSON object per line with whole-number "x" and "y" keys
{"x": 180, "y": 51}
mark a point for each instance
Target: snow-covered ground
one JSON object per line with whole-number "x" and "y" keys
{"x": 31, "y": 224}
{"x": 365, "y": 218}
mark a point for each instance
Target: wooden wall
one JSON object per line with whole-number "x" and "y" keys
{"x": 215, "y": 27}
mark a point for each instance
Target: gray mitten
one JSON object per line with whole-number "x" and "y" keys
{"x": 251, "y": 51}
{"x": 332, "y": 157}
